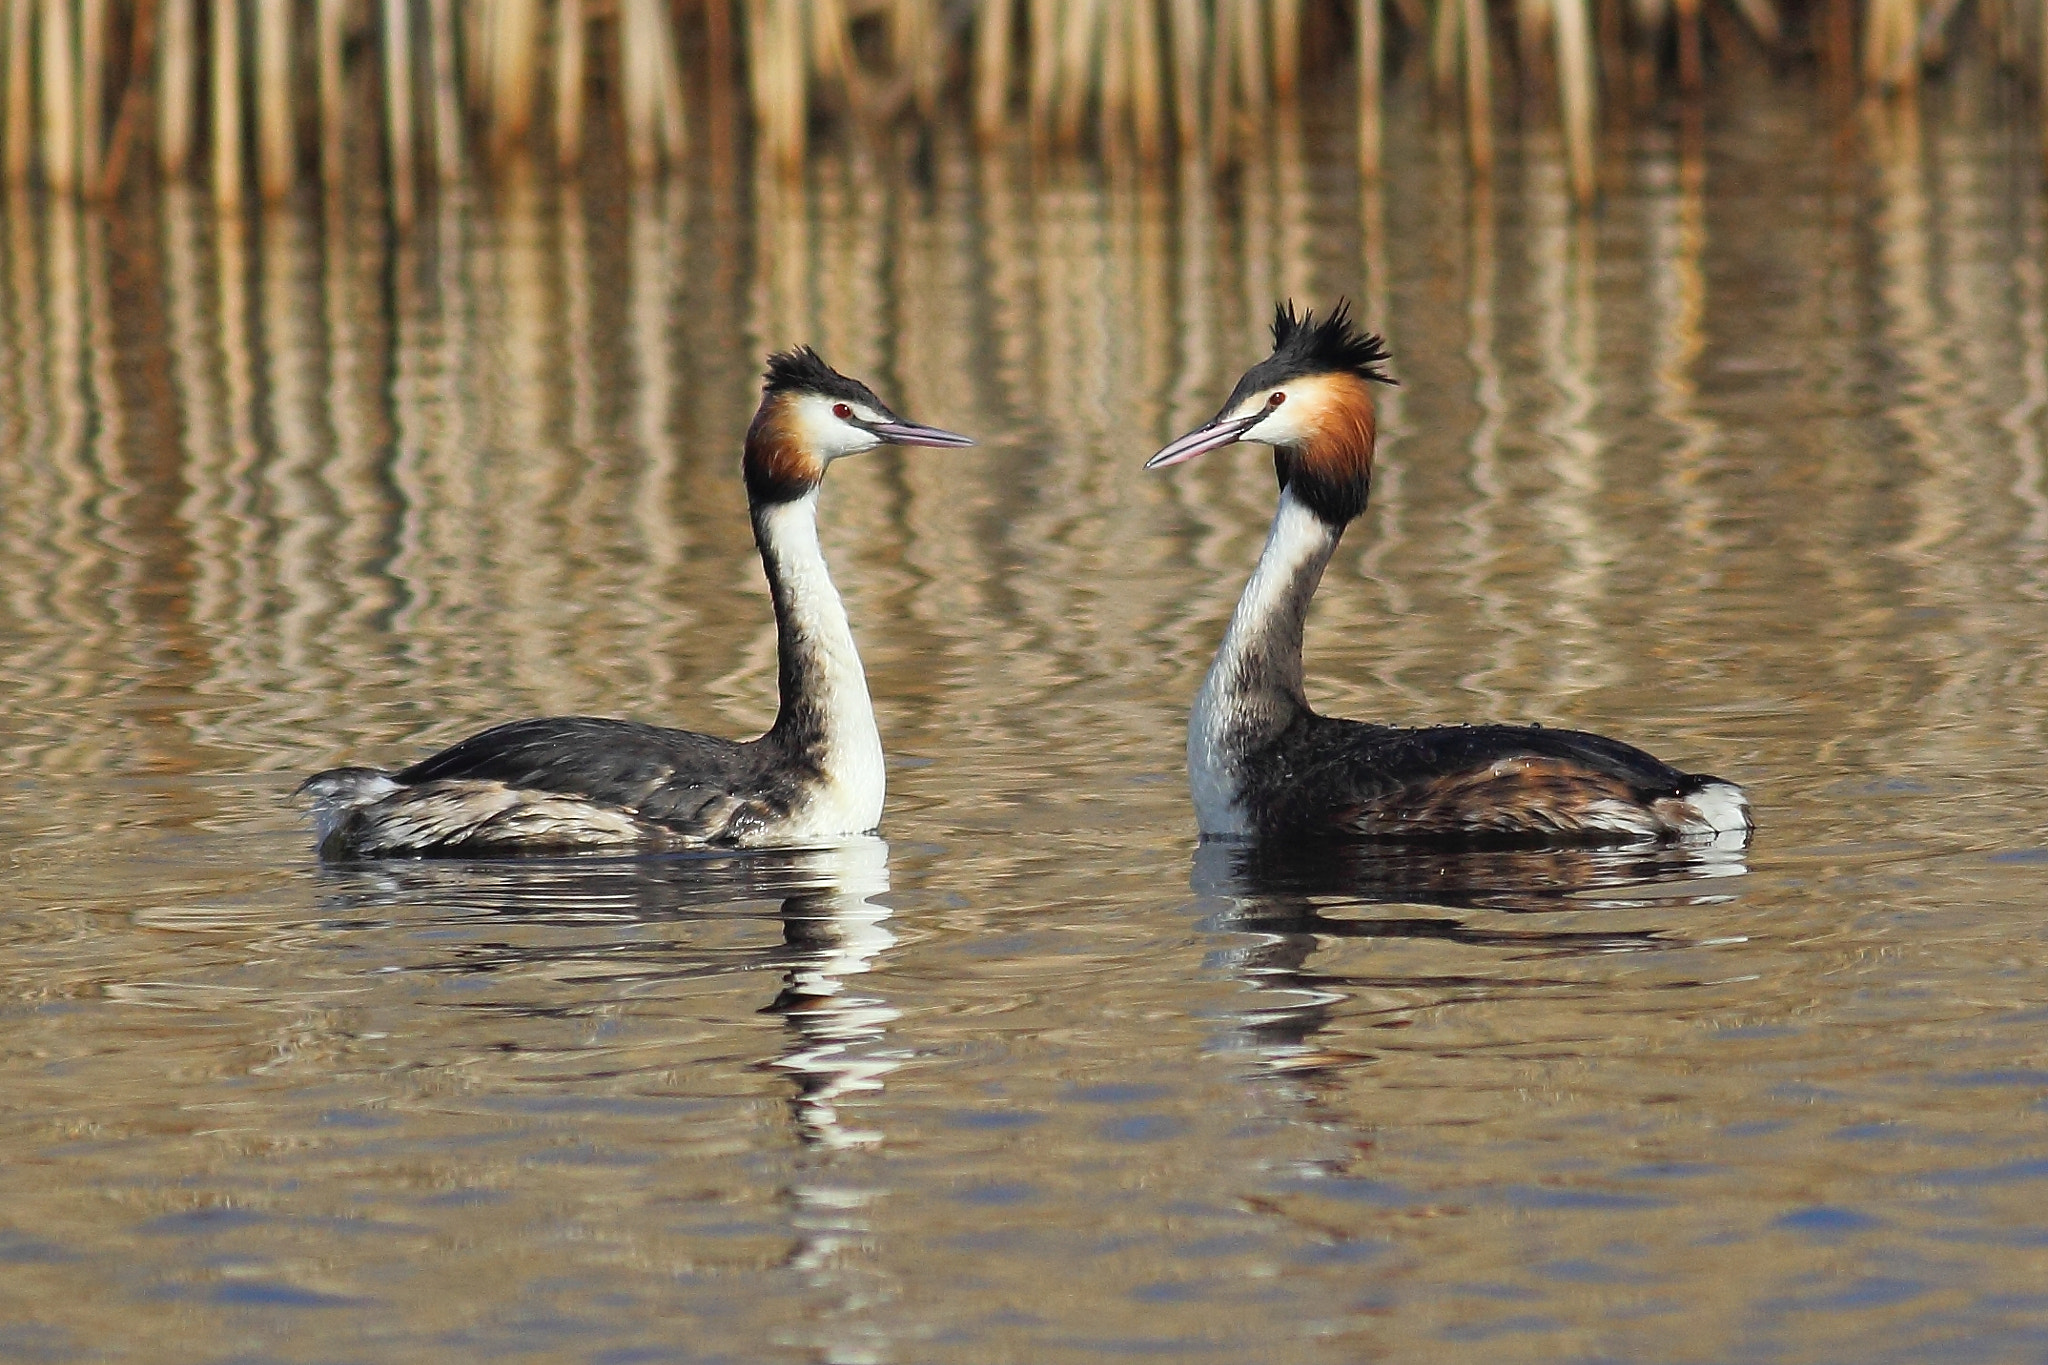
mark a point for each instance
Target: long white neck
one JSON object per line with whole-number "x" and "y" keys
{"x": 826, "y": 719}
{"x": 1254, "y": 689}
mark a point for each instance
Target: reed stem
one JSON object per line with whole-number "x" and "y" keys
{"x": 515, "y": 39}
{"x": 225, "y": 79}
{"x": 1080, "y": 42}
{"x": 60, "y": 101}
{"x": 1148, "y": 102}
{"x": 277, "y": 152}
{"x": 328, "y": 36}
{"x": 446, "y": 98}
{"x": 1286, "y": 25}
{"x": 92, "y": 91}
{"x": 994, "y": 25}
{"x": 1189, "y": 25}
{"x": 1578, "y": 92}
{"x": 1106, "y": 70}
{"x": 571, "y": 30}
{"x": 1478, "y": 86}
{"x": 1371, "y": 60}
{"x": 399, "y": 140}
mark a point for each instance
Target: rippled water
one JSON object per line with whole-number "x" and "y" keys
{"x": 1748, "y": 467}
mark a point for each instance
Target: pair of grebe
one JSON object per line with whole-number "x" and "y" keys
{"x": 1262, "y": 764}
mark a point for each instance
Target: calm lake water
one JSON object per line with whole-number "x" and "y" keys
{"x": 1747, "y": 467}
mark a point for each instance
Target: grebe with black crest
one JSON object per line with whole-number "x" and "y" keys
{"x": 1263, "y": 765}
{"x": 564, "y": 783}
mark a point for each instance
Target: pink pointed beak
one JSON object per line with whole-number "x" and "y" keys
{"x": 918, "y": 434}
{"x": 1203, "y": 439}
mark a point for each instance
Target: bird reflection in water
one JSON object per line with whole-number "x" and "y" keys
{"x": 1282, "y": 906}
{"x": 565, "y": 917}
{"x": 606, "y": 928}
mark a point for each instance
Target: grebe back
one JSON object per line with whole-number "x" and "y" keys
{"x": 561, "y": 783}
{"x": 1262, "y": 764}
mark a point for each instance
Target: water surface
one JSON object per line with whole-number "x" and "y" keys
{"x": 1746, "y": 467}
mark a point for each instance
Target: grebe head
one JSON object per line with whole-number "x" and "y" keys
{"x": 1311, "y": 400}
{"x": 811, "y": 415}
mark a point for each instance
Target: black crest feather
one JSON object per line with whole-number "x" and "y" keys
{"x": 802, "y": 370}
{"x": 1304, "y": 345}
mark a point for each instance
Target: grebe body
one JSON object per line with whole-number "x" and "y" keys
{"x": 563, "y": 783}
{"x": 1262, "y": 764}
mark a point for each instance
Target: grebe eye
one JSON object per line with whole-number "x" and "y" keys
{"x": 843, "y": 411}
{"x": 1276, "y": 400}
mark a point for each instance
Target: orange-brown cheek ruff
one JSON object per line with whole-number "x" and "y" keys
{"x": 778, "y": 464}
{"x": 1343, "y": 426}
{"x": 1329, "y": 468}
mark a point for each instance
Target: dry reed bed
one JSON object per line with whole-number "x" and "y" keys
{"x": 253, "y": 93}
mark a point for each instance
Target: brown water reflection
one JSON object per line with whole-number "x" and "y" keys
{"x": 1747, "y": 467}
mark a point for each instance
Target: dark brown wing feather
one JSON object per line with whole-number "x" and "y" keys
{"x": 660, "y": 775}
{"x": 1477, "y": 782}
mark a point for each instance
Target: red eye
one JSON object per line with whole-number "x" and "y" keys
{"x": 1276, "y": 400}
{"x": 843, "y": 411}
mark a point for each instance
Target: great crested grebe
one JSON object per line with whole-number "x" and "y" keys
{"x": 578, "y": 782}
{"x": 1263, "y": 765}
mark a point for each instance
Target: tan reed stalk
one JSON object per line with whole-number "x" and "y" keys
{"x": 445, "y": 97}
{"x": 1769, "y": 26}
{"x": 1534, "y": 22}
{"x": 995, "y": 24}
{"x": 1285, "y": 18}
{"x": 177, "y": 87}
{"x": 917, "y": 48}
{"x": 1371, "y": 67}
{"x": 20, "y": 93}
{"x": 1838, "y": 50}
{"x": 1223, "y": 39}
{"x": 1931, "y": 38}
{"x": 1190, "y": 36}
{"x": 1113, "y": 85}
{"x": 92, "y": 91}
{"x": 57, "y": 72}
{"x": 660, "y": 82}
{"x": 276, "y": 146}
{"x": 640, "y": 100}
{"x": 515, "y": 51}
{"x": 1691, "y": 61}
{"x": 2040, "y": 85}
{"x": 776, "y": 45}
{"x": 1446, "y": 41}
{"x": 1647, "y": 19}
{"x": 831, "y": 47}
{"x": 477, "y": 32}
{"x": 330, "y": 33}
{"x": 792, "y": 82}
{"x": 1902, "y": 72}
{"x": 400, "y": 142}
{"x": 1251, "y": 56}
{"x": 134, "y": 100}
{"x": 225, "y": 81}
{"x": 2008, "y": 34}
{"x": 1478, "y": 86}
{"x": 1877, "y": 56}
{"x": 669, "y": 78}
{"x": 1148, "y": 103}
{"x": 1578, "y": 92}
{"x": 1045, "y": 67}
{"x": 1080, "y": 46}
{"x": 759, "y": 66}
{"x": 571, "y": 31}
